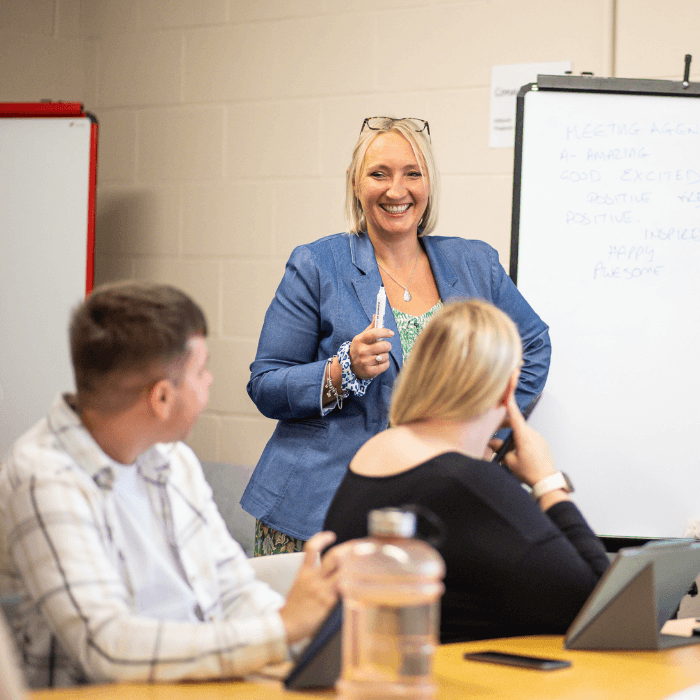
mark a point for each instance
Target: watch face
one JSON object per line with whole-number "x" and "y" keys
{"x": 569, "y": 485}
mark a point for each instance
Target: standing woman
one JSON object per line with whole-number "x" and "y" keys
{"x": 322, "y": 369}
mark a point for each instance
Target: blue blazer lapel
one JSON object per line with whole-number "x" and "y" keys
{"x": 367, "y": 284}
{"x": 446, "y": 279}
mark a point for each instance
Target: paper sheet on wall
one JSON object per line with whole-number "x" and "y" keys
{"x": 505, "y": 83}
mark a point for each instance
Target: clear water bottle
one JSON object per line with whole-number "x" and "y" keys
{"x": 391, "y": 586}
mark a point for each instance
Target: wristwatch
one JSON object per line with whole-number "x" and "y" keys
{"x": 559, "y": 480}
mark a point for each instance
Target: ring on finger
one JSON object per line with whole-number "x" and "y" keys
{"x": 379, "y": 359}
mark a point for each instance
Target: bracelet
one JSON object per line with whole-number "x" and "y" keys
{"x": 350, "y": 381}
{"x": 330, "y": 387}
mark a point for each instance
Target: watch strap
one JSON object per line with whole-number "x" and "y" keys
{"x": 555, "y": 481}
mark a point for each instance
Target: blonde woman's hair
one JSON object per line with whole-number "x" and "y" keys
{"x": 460, "y": 364}
{"x": 422, "y": 150}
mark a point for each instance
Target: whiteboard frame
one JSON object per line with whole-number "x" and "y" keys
{"x": 593, "y": 85}
{"x": 48, "y": 164}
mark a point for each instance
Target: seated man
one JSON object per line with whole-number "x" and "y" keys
{"x": 11, "y": 683}
{"x": 108, "y": 529}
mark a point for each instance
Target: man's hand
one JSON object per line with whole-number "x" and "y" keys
{"x": 314, "y": 591}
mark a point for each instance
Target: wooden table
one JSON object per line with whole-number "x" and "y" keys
{"x": 594, "y": 675}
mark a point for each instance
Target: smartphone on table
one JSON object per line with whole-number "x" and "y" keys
{"x": 539, "y": 663}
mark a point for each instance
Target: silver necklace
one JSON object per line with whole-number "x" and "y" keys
{"x": 406, "y": 293}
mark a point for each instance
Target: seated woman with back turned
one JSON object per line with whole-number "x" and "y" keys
{"x": 516, "y": 565}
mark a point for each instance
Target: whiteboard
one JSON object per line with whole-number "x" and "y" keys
{"x": 44, "y": 208}
{"x": 607, "y": 242}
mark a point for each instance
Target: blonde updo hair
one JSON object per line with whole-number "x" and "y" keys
{"x": 420, "y": 144}
{"x": 460, "y": 364}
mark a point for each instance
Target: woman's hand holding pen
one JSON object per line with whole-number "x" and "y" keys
{"x": 369, "y": 357}
{"x": 369, "y": 352}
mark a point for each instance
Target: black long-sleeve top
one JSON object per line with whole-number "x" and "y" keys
{"x": 511, "y": 569}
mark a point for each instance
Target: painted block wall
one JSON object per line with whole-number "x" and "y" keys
{"x": 226, "y": 127}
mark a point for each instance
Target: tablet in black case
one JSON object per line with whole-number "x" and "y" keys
{"x": 319, "y": 664}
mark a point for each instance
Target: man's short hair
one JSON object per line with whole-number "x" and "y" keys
{"x": 127, "y": 336}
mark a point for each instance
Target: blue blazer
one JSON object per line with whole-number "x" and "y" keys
{"x": 327, "y": 296}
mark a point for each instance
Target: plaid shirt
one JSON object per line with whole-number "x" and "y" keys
{"x": 62, "y": 550}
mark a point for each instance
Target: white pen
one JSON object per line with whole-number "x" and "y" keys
{"x": 381, "y": 307}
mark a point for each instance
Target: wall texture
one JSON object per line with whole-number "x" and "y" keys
{"x": 226, "y": 127}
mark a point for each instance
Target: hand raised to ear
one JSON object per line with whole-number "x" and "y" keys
{"x": 531, "y": 459}
{"x": 315, "y": 589}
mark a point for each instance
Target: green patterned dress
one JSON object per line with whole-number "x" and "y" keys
{"x": 410, "y": 326}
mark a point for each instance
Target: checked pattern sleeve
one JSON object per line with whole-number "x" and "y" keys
{"x": 62, "y": 553}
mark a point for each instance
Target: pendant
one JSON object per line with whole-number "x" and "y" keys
{"x": 406, "y": 295}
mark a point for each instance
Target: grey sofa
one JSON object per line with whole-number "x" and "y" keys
{"x": 228, "y": 482}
